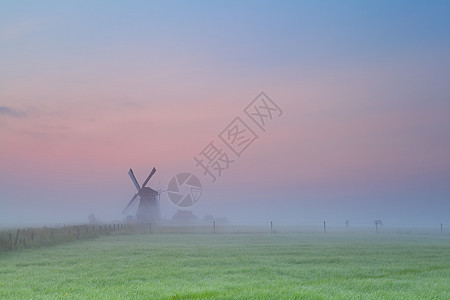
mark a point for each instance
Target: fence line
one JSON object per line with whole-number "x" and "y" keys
{"x": 35, "y": 237}
{"x": 18, "y": 239}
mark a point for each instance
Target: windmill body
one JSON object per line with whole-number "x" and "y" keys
{"x": 148, "y": 209}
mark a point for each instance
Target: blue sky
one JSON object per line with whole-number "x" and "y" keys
{"x": 364, "y": 86}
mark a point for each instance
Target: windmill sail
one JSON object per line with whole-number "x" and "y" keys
{"x": 149, "y": 176}
{"x": 131, "y": 202}
{"x": 134, "y": 180}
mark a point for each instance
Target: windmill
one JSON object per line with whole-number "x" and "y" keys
{"x": 148, "y": 209}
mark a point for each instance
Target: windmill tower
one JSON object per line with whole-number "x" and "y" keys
{"x": 148, "y": 209}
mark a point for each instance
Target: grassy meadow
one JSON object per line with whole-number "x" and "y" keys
{"x": 232, "y": 266}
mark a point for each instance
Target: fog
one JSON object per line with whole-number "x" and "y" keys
{"x": 239, "y": 202}
{"x": 356, "y": 126}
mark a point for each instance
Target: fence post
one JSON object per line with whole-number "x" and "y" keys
{"x": 324, "y": 227}
{"x": 17, "y": 238}
{"x": 214, "y": 226}
{"x": 271, "y": 227}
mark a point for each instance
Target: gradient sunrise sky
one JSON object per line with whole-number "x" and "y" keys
{"x": 89, "y": 89}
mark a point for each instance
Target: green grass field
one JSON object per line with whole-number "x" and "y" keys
{"x": 231, "y": 266}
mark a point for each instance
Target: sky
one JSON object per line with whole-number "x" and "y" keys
{"x": 90, "y": 89}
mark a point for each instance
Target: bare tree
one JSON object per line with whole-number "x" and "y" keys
{"x": 92, "y": 219}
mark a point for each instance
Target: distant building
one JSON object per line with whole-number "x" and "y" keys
{"x": 184, "y": 217}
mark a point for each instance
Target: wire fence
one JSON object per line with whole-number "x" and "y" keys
{"x": 22, "y": 238}
{"x": 19, "y": 239}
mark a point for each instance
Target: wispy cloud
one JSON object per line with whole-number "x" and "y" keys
{"x": 34, "y": 134}
{"x": 124, "y": 102}
{"x": 7, "y": 111}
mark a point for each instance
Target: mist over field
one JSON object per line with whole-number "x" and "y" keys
{"x": 360, "y": 103}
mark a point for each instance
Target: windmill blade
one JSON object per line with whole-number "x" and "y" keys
{"x": 134, "y": 179}
{"x": 149, "y": 176}
{"x": 129, "y": 203}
